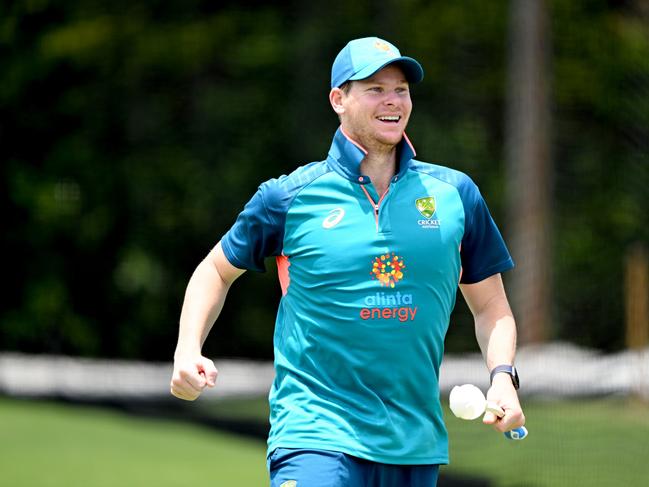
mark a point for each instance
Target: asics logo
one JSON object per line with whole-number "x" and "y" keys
{"x": 333, "y": 218}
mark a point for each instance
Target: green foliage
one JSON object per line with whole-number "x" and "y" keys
{"x": 133, "y": 133}
{"x": 601, "y": 87}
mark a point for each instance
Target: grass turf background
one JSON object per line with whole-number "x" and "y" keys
{"x": 598, "y": 442}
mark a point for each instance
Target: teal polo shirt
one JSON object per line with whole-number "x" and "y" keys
{"x": 368, "y": 285}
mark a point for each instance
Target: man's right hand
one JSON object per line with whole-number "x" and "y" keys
{"x": 191, "y": 376}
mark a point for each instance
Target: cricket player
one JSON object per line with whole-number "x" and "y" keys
{"x": 371, "y": 246}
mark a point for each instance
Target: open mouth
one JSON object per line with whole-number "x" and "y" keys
{"x": 389, "y": 118}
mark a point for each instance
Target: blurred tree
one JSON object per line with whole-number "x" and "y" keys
{"x": 601, "y": 105}
{"x": 133, "y": 132}
{"x": 636, "y": 290}
{"x": 529, "y": 168}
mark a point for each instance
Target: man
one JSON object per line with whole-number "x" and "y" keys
{"x": 370, "y": 245}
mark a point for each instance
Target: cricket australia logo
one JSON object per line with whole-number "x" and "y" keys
{"x": 427, "y": 207}
{"x": 382, "y": 46}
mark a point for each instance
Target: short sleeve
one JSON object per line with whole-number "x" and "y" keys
{"x": 483, "y": 250}
{"x": 256, "y": 234}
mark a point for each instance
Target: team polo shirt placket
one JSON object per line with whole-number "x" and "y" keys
{"x": 349, "y": 159}
{"x": 379, "y": 205}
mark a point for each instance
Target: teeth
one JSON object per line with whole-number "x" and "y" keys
{"x": 394, "y": 118}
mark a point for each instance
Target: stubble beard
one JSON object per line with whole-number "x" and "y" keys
{"x": 376, "y": 144}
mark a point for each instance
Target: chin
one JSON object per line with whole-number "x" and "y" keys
{"x": 390, "y": 139}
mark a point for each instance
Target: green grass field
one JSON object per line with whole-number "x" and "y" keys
{"x": 571, "y": 443}
{"x": 54, "y": 445}
{"x": 594, "y": 443}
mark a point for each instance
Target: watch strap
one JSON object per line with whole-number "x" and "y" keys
{"x": 507, "y": 369}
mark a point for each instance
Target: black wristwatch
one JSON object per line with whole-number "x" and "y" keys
{"x": 507, "y": 369}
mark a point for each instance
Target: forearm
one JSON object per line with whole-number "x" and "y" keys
{"x": 495, "y": 327}
{"x": 203, "y": 302}
{"x": 495, "y": 330}
{"x": 202, "y": 305}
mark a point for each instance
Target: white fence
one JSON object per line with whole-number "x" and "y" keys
{"x": 554, "y": 370}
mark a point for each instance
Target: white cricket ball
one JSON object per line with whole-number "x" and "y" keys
{"x": 467, "y": 401}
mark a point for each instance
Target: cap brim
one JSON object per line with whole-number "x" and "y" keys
{"x": 411, "y": 68}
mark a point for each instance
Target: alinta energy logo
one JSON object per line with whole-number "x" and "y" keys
{"x": 388, "y": 269}
{"x": 427, "y": 207}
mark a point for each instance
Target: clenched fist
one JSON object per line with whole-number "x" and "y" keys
{"x": 191, "y": 375}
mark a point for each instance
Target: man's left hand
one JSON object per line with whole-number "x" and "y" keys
{"x": 502, "y": 392}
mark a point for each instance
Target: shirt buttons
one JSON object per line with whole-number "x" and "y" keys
{"x": 361, "y": 179}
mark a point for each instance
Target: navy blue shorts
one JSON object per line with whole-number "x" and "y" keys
{"x": 322, "y": 468}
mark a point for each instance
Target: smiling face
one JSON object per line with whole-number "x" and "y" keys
{"x": 375, "y": 110}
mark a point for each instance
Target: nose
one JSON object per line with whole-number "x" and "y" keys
{"x": 391, "y": 98}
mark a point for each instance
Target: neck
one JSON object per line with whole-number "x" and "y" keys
{"x": 380, "y": 166}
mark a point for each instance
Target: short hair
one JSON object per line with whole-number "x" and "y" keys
{"x": 346, "y": 86}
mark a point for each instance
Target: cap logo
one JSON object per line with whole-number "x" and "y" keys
{"x": 382, "y": 46}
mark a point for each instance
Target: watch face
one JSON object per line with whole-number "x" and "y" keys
{"x": 515, "y": 379}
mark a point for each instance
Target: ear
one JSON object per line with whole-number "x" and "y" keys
{"x": 336, "y": 96}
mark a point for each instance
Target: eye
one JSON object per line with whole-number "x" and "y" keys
{"x": 375, "y": 89}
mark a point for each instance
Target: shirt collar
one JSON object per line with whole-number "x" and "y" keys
{"x": 345, "y": 155}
